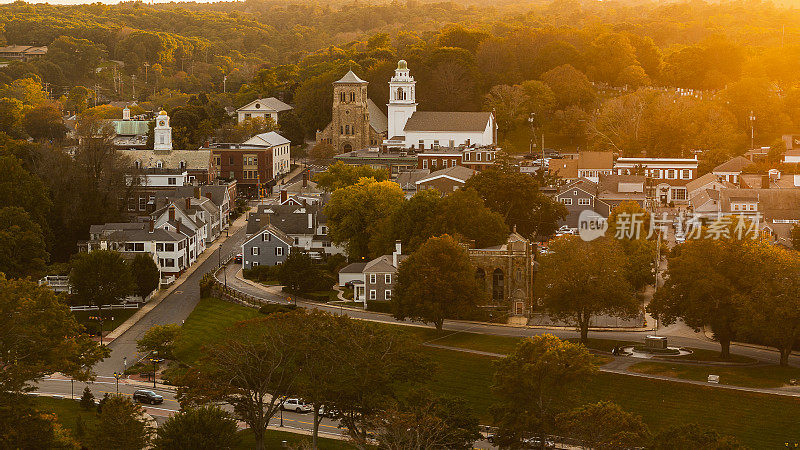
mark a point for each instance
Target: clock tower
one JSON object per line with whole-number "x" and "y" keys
{"x": 162, "y": 133}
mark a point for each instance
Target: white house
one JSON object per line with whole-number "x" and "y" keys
{"x": 658, "y": 168}
{"x": 263, "y": 107}
{"x": 281, "y": 150}
{"x": 731, "y": 169}
{"x": 409, "y": 128}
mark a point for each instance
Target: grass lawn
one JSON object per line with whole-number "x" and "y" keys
{"x": 67, "y": 411}
{"x": 748, "y": 376}
{"x": 207, "y": 324}
{"x": 699, "y": 354}
{"x": 273, "y": 439}
{"x": 759, "y": 421}
{"x": 112, "y": 318}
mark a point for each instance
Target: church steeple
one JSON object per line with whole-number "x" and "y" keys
{"x": 162, "y": 133}
{"x": 402, "y": 99}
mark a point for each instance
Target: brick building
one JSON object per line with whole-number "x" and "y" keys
{"x": 255, "y": 164}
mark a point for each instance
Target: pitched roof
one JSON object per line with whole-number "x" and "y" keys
{"x": 377, "y": 119}
{"x": 194, "y": 159}
{"x": 270, "y": 138}
{"x": 595, "y": 160}
{"x": 772, "y": 203}
{"x": 704, "y": 197}
{"x": 621, "y": 187}
{"x": 698, "y": 183}
{"x": 733, "y": 165}
{"x": 158, "y": 234}
{"x": 383, "y": 264}
{"x": 410, "y": 178}
{"x": 356, "y": 267}
{"x": 272, "y": 229}
{"x": 564, "y": 168}
{"x": 298, "y": 188}
{"x": 266, "y": 104}
{"x": 349, "y": 78}
{"x": 291, "y": 219}
{"x": 459, "y": 173}
{"x": 448, "y": 121}
{"x": 581, "y": 183}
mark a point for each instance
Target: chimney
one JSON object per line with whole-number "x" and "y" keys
{"x": 197, "y": 192}
{"x": 188, "y": 203}
{"x": 310, "y": 221}
{"x": 152, "y": 225}
{"x": 284, "y": 195}
{"x": 398, "y": 250}
{"x": 178, "y": 226}
{"x": 171, "y": 213}
{"x": 305, "y": 178}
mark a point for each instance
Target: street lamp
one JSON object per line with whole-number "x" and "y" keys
{"x": 154, "y": 358}
{"x": 117, "y": 375}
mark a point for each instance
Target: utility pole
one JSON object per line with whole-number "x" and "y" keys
{"x": 752, "y": 130}
{"x": 96, "y": 87}
{"x": 146, "y": 65}
{"x": 133, "y": 85}
{"x": 224, "y": 84}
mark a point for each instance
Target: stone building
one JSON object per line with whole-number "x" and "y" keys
{"x": 356, "y": 121}
{"x": 506, "y": 271}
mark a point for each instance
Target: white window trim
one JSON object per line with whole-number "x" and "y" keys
{"x": 373, "y": 278}
{"x": 387, "y": 278}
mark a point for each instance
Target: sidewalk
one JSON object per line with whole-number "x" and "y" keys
{"x": 163, "y": 293}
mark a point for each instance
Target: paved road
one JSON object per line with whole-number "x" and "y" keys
{"x": 679, "y": 335}
{"x": 174, "y": 308}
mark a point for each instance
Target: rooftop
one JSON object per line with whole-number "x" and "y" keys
{"x": 448, "y": 121}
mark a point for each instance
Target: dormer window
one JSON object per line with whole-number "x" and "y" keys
{"x": 138, "y": 164}
{"x": 159, "y": 164}
{"x": 182, "y": 165}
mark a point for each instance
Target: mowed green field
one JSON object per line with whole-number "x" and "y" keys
{"x": 759, "y": 421}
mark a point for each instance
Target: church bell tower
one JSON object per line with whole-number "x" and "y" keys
{"x": 162, "y": 133}
{"x": 402, "y": 99}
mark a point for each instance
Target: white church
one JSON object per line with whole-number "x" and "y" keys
{"x": 357, "y": 123}
{"x": 409, "y": 128}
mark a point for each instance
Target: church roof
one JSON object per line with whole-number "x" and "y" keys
{"x": 377, "y": 119}
{"x": 448, "y": 121}
{"x": 350, "y": 78}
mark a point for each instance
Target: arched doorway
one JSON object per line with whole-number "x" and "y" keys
{"x": 498, "y": 286}
{"x": 347, "y": 148}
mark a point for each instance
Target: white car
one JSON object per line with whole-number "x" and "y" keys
{"x": 296, "y": 405}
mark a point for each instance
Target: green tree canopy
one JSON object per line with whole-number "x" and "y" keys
{"x": 604, "y": 425}
{"x": 22, "y": 245}
{"x": 145, "y": 274}
{"x": 339, "y": 175}
{"x": 121, "y": 425}
{"x": 101, "y": 277}
{"x": 204, "y": 428}
{"x": 160, "y": 339}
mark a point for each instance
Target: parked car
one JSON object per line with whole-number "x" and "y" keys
{"x": 238, "y": 258}
{"x": 149, "y": 397}
{"x": 296, "y": 405}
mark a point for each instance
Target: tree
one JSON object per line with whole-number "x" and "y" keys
{"x": 704, "y": 284}
{"x": 161, "y": 339}
{"x": 356, "y": 213}
{"x": 322, "y": 153}
{"x": 581, "y": 280}
{"x": 339, "y": 175}
{"x": 87, "y": 399}
{"x": 509, "y": 105}
{"x": 252, "y": 369}
{"x": 570, "y": 86}
{"x": 78, "y": 99}
{"x": 44, "y": 123}
{"x": 517, "y": 198}
{"x": 11, "y": 113}
{"x": 437, "y": 282}
{"x": 692, "y": 437}
{"x": 299, "y": 273}
{"x": 205, "y": 428}
{"x": 145, "y": 274}
{"x": 633, "y": 236}
{"x": 100, "y": 278}
{"x": 18, "y": 187}
{"x": 795, "y": 236}
{"x": 53, "y": 340}
{"x": 22, "y": 426}
{"x": 770, "y": 312}
{"x": 534, "y": 384}
{"x": 22, "y": 246}
{"x": 425, "y": 422}
{"x": 604, "y": 425}
{"x": 121, "y": 425}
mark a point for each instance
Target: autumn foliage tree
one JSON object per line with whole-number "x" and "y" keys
{"x": 437, "y": 282}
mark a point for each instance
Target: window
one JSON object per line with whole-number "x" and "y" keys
{"x": 671, "y": 173}
{"x": 372, "y": 294}
{"x": 142, "y": 203}
{"x": 679, "y": 194}
{"x": 452, "y": 163}
{"x": 254, "y": 251}
{"x": 159, "y": 247}
{"x": 477, "y": 156}
{"x": 266, "y": 237}
{"x": 160, "y": 164}
{"x": 169, "y": 262}
{"x": 436, "y": 143}
{"x": 387, "y": 294}
{"x": 373, "y": 278}
{"x": 422, "y": 144}
{"x": 566, "y": 201}
{"x": 452, "y": 143}
{"x": 230, "y": 160}
{"x": 169, "y": 247}
{"x": 424, "y": 163}
{"x": 687, "y": 174}
{"x": 347, "y": 129}
{"x": 584, "y": 201}
{"x": 172, "y": 181}
{"x": 434, "y": 163}
{"x": 255, "y": 263}
{"x": 352, "y": 96}
{"x": 296, "y": 241}
{"x": 326, "y": 244}
{"x": 278, "y": 251}
{"x": 247, "y": 116}
{"x": 324, "y": 230}
{"x": 466, "y": 156}
{"x": 387, "y": 278}
{"x": 342, "y": 97}
{"x": 182, "y": 165}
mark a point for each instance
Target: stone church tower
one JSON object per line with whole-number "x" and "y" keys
{"x": 356, "y": 123}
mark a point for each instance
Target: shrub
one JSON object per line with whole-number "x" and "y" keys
{"x": 272, "y": 308}
{"x": 87, "y": 399}
{"x": 379, "y": 306}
